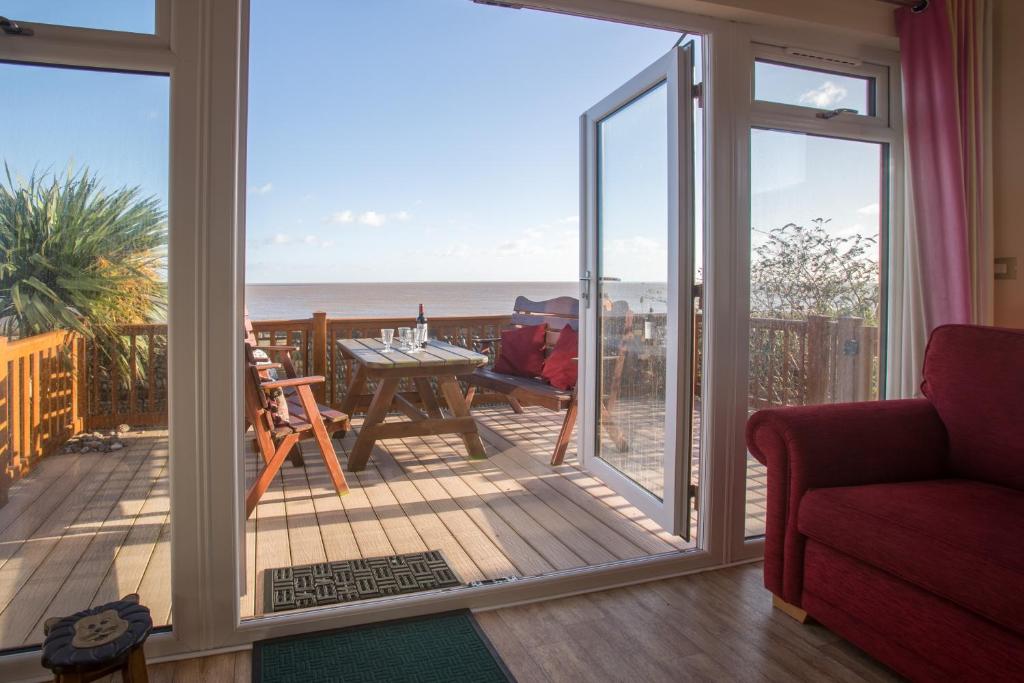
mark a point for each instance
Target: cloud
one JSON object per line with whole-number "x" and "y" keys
{"x": 341, "y": 217}
{"x": 825, "y": 97}
{"x": 372, "y": 218}
{"x": 869, "y": 210}
{"x": 568, "y": 220}
{"x": 262, "y": 189}
{"x": 282, "y": 239}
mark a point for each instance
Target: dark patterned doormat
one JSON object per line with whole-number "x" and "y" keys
{"x": 329, "y": 583}
{"x": 437, "y": 648}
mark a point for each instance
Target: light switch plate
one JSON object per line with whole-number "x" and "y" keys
{"x": 1006, "y": 268}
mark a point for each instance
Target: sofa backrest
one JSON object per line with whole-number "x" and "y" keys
{"x": 974, "y": 376}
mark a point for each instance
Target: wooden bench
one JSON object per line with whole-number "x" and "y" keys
{"x": 525, "y": 391}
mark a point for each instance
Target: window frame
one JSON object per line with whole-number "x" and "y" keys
{"x": 877, "y": 76}
{"x": 884, "y": 128}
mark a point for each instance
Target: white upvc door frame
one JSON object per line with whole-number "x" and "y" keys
{"x": 197, "y": 45}
{"x": 202, "y": 44}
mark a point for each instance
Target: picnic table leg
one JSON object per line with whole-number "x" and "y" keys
{"x": 355, "y": 389}
{"x": 428, "y": 398}
{"x": 449, "y": 386}
{"x": 379, "y": 406}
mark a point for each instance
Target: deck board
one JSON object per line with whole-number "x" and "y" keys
{"x": 88, "y": 528}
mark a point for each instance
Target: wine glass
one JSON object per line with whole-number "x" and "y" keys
{"x": 421, "y": 337}
{"x": 387, "y": 336}
{"x": 405, "y": 336}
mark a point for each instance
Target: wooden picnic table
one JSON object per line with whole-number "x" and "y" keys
{"x": 439, "y": 361}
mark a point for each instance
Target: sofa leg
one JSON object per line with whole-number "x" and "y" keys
{"x": 789, "y": 610}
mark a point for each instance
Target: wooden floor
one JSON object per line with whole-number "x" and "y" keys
{"x": 715, "y": 626}
{"x": 83, "y": 529}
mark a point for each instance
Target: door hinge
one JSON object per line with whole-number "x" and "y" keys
{"x": 12, "y": 28}
{"x": 698, "y": 94}
{"x": 585, "y": 287}
{"x": 695, "y": 496}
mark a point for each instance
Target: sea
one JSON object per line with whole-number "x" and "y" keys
{"x": 440, "y": 299}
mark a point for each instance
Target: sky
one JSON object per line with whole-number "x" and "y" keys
{"x": 425, "y": 140}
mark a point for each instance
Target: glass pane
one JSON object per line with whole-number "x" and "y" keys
{"x": 133, "y": 16}
{"x": 815, "y": 277}
{"x": 788, "y": 84}
{"x": 632, "y": 292}
{"x": 83, "y": 235}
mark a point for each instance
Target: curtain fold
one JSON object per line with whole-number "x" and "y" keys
{"x": 947, "y": 248}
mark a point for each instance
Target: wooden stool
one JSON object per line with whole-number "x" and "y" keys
{"x": 99, "y": 641}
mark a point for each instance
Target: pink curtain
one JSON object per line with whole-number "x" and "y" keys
{"x": 945, "y": 85}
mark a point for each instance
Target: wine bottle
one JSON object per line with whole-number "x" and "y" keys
{"x": 421, "y": 327}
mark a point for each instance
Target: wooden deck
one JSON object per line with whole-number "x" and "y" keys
{"x": 86, "y": 528}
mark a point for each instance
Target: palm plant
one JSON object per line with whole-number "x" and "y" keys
{"x": 75, "y": 256}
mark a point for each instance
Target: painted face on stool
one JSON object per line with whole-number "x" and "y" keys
{"x": 98, "y": 629}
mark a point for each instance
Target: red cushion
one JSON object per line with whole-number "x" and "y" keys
{"x": 956, "y": 538}
{"x": 561, "y": 366}
{"x": 974, "y": 376}
{"x": 522, "y": 351}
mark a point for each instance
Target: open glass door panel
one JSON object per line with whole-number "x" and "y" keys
{"x": 637, "y": 242}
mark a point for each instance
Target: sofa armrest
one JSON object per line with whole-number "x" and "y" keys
{"x": 845, "y": 444}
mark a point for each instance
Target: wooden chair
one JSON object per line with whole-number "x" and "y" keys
{"x": 277, "y": 353}
{"x": 275, "y": 439}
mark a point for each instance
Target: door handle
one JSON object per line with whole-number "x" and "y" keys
{"x": 585, "y": 287}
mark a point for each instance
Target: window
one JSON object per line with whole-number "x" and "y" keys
{"x": 787, "y": 84}
{"x": 820, "y": 191}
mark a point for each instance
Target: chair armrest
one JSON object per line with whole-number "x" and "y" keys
{"x": 278, "y": 348}
{"x": 846, "y": 444}
{"x": 293, "y": 382}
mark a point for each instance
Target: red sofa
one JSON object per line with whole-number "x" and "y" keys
{"x": 899, "y": 525}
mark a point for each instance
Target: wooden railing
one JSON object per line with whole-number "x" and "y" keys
{"x": 39, "y": 401}
{"x": 55, "y": 385}
{"x": 132, "y": 391}
{"x": 810, "y": 361}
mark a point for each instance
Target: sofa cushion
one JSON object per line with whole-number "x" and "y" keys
{"x": 956, "y": 538}
{"x": 974, "y": 376}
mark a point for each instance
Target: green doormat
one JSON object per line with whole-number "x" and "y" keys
{"x": 328, "y": 583}
{"x": 435, "y": 648}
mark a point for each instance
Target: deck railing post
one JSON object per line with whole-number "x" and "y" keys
{"x": 816, "y": 367}
{"x": 320, "y": 352}
{"x": 848, "y": 355}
